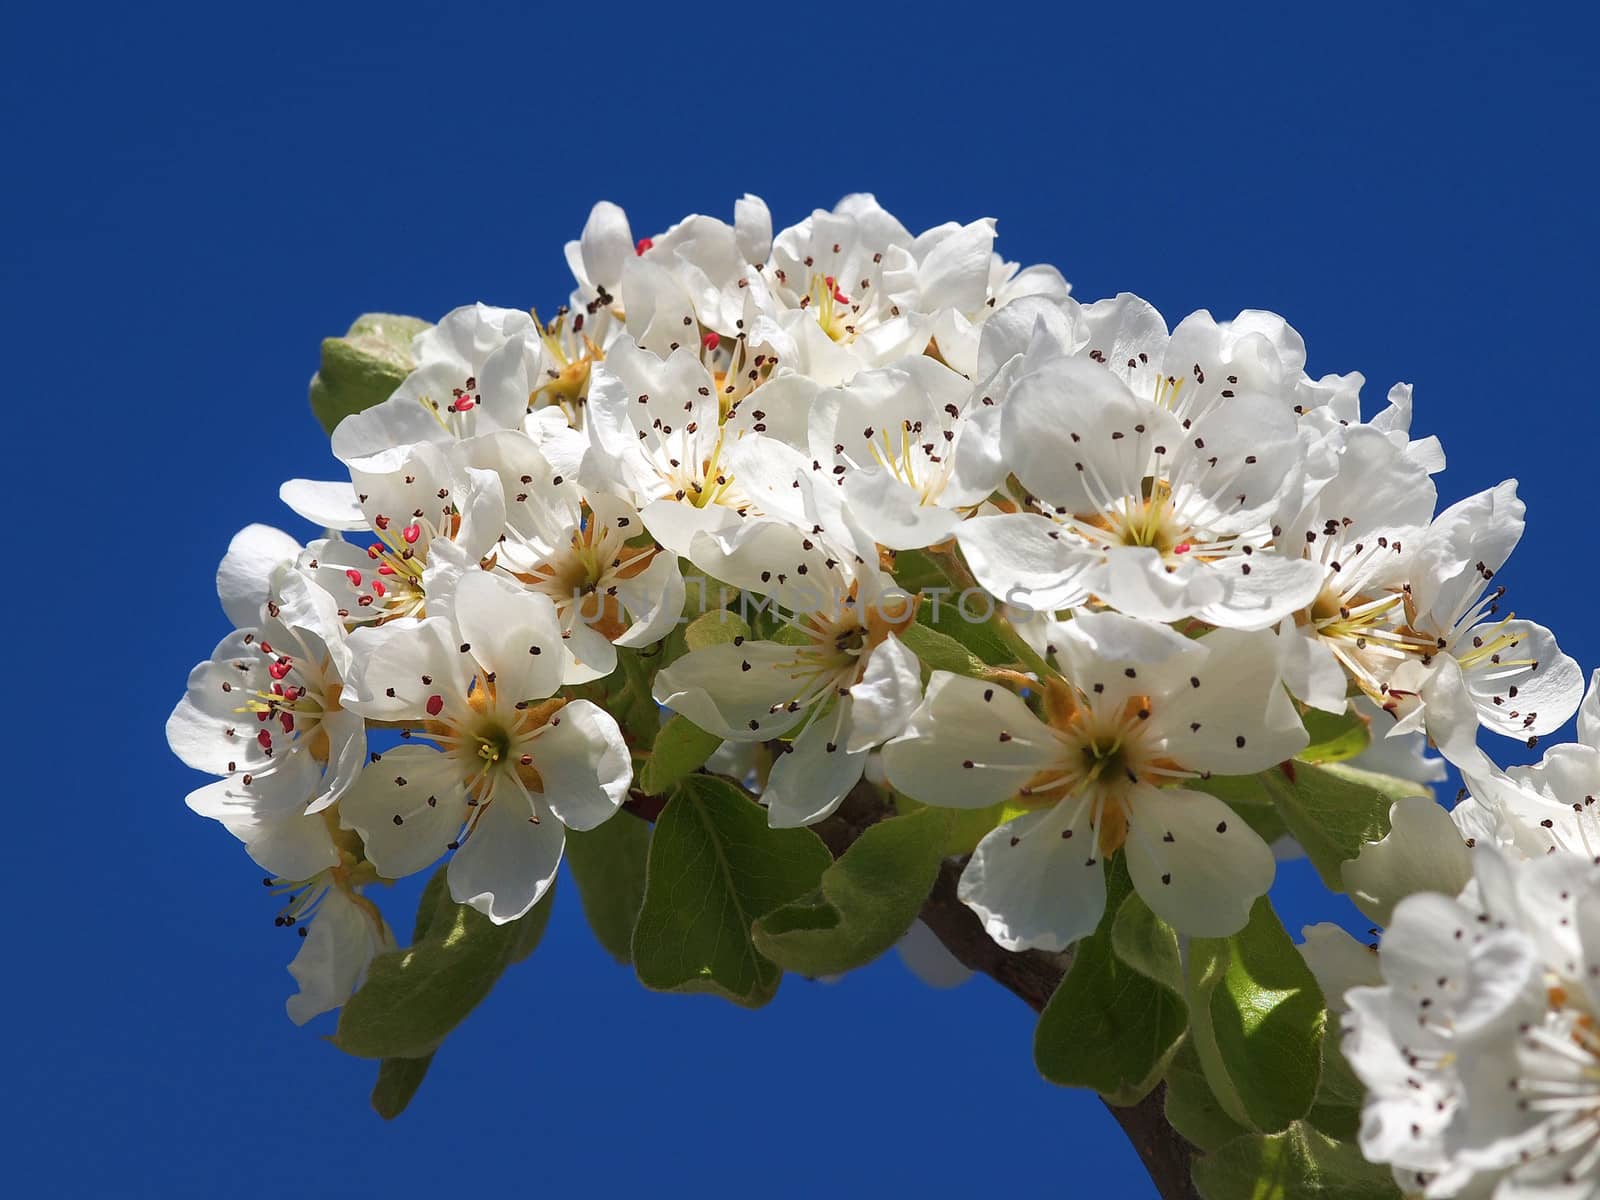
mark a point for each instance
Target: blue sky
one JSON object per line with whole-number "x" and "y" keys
{"x": 194, "y": 198}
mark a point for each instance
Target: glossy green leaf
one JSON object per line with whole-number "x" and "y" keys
{"x": 608, "y": 865}
{"x": 1191, "y": 1108}
{"x": 866, "y": 900}
{"x": 412, "y": 998}
{"x": 714, "y": 867}
{"x": 1297, "y": 1164}
{"x": 940, "y": 651}
{"x": 1257, "y": 1022}
{"x": 1111, "y": 1026}
{"x": 1335, "y": 738}
{"x": 680, "y": 747}
{"x": 363, "y": 367}
{"x": 1334, "y": 809}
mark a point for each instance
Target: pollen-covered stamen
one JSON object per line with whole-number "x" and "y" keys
{"x": 840, "y": 638}
{"x": 289, "y": 703}
{"x": 490, "y": 738}
{"x": 1101, "y": 752}
{"x": 584, "y": 578}
{"x": 923, "y": 459}
{"x": 393, "y": 587}
{"x": 456, "y": 412}
{"x": 573, "y": 354}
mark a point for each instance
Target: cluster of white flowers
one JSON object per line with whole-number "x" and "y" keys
{"x": 1185, "y": 540}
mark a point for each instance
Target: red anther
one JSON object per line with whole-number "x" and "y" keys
{"x": 386, "y": 569}
{"x": 281, "y": 668}
{"x": 262, "y": 715}
{"x": 264, "y": 739}
{"x": 374, "y": 550}
{"x": 711, "y": 341}
{"x": 277, "y": 690}
{"x": 1182, "y": 548}
{"x": 839, "y": 297}
{"x": 411, "y": 533}
{"x": 266, "y": 647}
{"x": 354, "y": 576}
{"x": 642, "y": 245}
{"x": 291, "y": 694}
{"x": 287, "y": 721}
{"x": 381, "y": 521}
{"x": 377, "y": 587}
{"x": 364, "y": 601}
{"x": 435, "y": 705}
{"x": 462, "y": 404}
{"x": 828, "y": 279}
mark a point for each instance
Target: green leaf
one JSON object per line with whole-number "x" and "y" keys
{"x": 1334, "y": 809}
{"x": 1337, "y": 1110}
{"x": 1297, "y": 1164}
{"x": 1257, "y": 1022}
{"x": 949, "y": 619}
{"x": 679, "y": 748}
{"x": 608, "y": 864}
{"x": 1335, "y": 738}
{"x": 1191, "y": 1108}
{"x": 363, "y": 367}
{"x": 714, "y": 629}
{"x": 714, "y": 867}
{"x": 940, "y": 651}
{"x": 967, "y": 825}
{"x": 866, "y": 901}
{"x": 398, "y": 1081}
{"x": 1111, "y": 1026}
{"x": 1146, "y": 943}
{"x": 414, "y": 997}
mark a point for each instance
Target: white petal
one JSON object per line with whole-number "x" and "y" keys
{"x": 1231, "y": 714}
{"x": 716, "y": 690}
{"x": 513, "y": 633}
{"x": 583, "y": 763}
{"x": 398, "y": 667}
{"x": 807, "y": 783}
{"x": 330, "y": 504}
{"x": 1033, "y": 888}
{"x": 953, "y": 753}
{"x": 508, "y": 862}
{"x": 1194, "y": 861}
{"x": 334, "y": 954}
{"x": 605, "y": 244}
{"x": 245, "y": 575}
{"x": 1422, "y": 852}
{"x": 887, "y": 695}
{"x": 1339, "y": 962}
{"x": 1025, "y": 560}
{"x": 408, "y": 806}
{"x": 1311, "y": 672}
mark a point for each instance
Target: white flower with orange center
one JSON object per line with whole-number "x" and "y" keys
{"x": 428, "y": 520}
{"x": 835, "y": 683}
{"x": 507, "y": 769}
{"x": 265, "y": 711}
{"x": 1480, "y": 1051}
{"x": 1137, "y": 711}
{"x": 472, "y": 377}
{"x": 589, "y": 552}
{"x": 1483, "y": 668}
{"x": 1150, "y": 514}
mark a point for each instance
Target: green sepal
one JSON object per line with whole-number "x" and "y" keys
{"x": 715, "y": 867}
{"x": 865, "y": 901}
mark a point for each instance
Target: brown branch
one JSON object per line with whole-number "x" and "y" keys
{"x": 1032, "y": 976}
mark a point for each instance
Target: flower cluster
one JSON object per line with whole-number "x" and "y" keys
{"x": 980, "y": 545}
